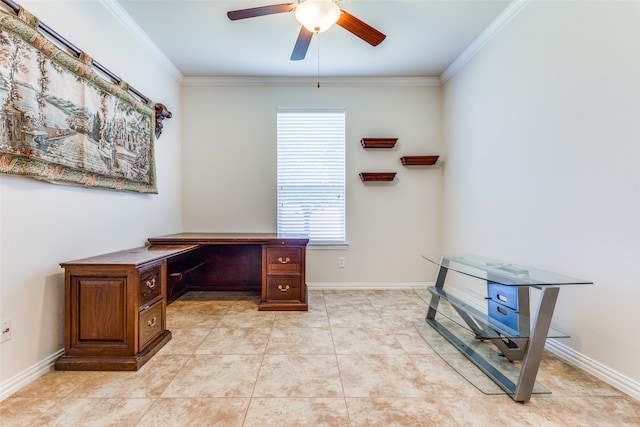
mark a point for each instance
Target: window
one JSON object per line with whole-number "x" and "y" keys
{"x": 311, "y": 175}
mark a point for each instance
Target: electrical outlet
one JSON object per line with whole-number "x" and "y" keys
{"x": 6, "y": 330}
{"x": 341, "y": 262}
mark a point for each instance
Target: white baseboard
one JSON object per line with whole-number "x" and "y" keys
{"x": 606, "y": 374}
{"x": 29, "y": 375}
{"x": 344, "y": 286}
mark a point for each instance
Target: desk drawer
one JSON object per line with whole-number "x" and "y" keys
{"x": 150, "y": 283}
{"x": 283, "y": 288}
{"x": 150, "y": 324}
{"x": 284, "y": 260}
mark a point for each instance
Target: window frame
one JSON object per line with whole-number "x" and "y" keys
{"x": 340, "y": 240}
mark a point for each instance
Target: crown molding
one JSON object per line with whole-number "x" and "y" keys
{"x": 125, "y": 19}
{"x": 510, "y": 12}
{"x": 311, "y": 81}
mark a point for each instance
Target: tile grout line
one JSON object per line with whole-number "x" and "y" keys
{"x": 190, "y": 356}
{"x": 335, "y": 355}
{"x": 255, "y": 383}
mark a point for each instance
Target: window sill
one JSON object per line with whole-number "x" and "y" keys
{"x": 328, "y": 246}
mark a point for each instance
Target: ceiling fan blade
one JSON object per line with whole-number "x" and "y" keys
{"x": 260, "y": 11}
{"x": 302, "y": 44}
{"x": 365, "y": 31}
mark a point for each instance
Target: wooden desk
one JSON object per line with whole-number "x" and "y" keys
{"x": 115, "y": 309}
{"x": 115, "y": 304}
{"x": 260, "y": 262}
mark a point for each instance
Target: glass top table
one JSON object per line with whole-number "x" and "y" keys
{"x": 506, "y": 319}
{"x": 504, "y": 273}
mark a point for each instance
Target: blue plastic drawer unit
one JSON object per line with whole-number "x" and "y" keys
{"x": 504, "y": 318}
{"x": 506, "y": 295}
{"x": 508, "y": 308}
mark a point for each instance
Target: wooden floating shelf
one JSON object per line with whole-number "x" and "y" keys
{"x": 419, "y": 160}
{"x": 378, "y": 142}
{"x": 377, "y": 176}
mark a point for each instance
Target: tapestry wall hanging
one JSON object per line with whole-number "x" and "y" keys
{"x": 61, "y": 122}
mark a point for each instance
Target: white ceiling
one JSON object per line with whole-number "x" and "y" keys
{"x": 423, "y": 37}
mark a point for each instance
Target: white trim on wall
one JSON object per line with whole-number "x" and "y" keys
{"x": 362, "y": 286}
{"x": 311, "y": 81}
{"x": 138, "y": 33}
{"x": 29, "y": 375}
{"x": 606, "y": 374}
{"x": 490, "y": 32}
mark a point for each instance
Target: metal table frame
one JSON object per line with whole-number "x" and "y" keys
{"x": 529, "y": 348}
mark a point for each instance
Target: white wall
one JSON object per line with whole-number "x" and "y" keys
{"x": 229, "y": 177}
{"x": 43, "y": 224}
{"x": 542, "y": 134}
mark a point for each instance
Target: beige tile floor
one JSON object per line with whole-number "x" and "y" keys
{"x": 354, "y": 359}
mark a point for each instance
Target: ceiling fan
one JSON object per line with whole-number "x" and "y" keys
{"x": 315, "y": 16}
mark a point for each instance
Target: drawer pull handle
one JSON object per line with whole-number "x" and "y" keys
{"x": 284, "y": 261}
{"x": 284, "y": 288}
{"x": 151, "y": 283}
{"x": 152, "y": 322}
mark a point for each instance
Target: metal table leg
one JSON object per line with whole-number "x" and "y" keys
{"x": 435, "y": 299}
{"x": 533, "y": 355}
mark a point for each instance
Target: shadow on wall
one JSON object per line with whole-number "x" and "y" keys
{"x": 52, "y": 313}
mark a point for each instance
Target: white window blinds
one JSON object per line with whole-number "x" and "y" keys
{"x": 311, "y": 175}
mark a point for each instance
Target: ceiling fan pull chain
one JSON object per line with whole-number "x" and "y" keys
{"x": 318, "y": 38}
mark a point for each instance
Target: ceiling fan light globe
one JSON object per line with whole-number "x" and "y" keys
{"x": 317, "y": 15}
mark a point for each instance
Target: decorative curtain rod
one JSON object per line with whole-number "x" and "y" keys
{"x": 16, "y": 8}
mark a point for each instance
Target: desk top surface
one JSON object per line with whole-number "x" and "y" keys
{"x": 227, "y": 238}
{"x": 134, "y": 256}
